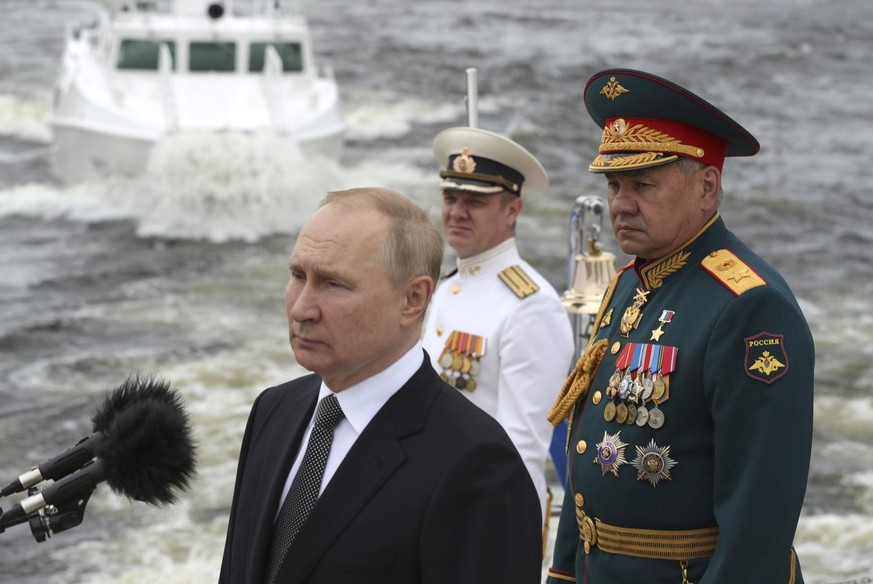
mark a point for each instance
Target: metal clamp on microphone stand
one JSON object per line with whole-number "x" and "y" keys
{"x": 57, "y": 518}
{"x": 51, "y": 519}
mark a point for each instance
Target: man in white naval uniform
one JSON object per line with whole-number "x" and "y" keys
{"x": 496, "y": 329}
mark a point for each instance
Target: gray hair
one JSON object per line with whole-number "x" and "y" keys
{"x": 689, "y": 166}
{"x": 414, "y": 246}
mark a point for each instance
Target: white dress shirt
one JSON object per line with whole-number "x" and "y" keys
{"x": 360, "y": 404}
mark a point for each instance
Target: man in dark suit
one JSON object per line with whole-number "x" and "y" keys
{"x": 419, "y": 484}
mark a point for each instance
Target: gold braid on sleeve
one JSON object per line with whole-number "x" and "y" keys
{"x": 578, "y": 382}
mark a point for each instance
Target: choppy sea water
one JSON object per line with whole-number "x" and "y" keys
{"x": 180, "y": 273}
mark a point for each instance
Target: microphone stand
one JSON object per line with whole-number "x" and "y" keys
{"x": 52, "y": 518}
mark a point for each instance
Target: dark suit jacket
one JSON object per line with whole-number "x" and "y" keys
{"x": 433, "y": 491}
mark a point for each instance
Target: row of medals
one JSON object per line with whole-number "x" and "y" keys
{"x": 459, "y": 369}
{"x": 633, "y": 393}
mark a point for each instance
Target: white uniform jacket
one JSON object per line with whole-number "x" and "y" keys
{"x": 518, "y": 324}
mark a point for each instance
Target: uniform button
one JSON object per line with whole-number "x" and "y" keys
{"x": 595, "y": 398}
{"x": 439, "y": 331}
{"x": 455, "y": 288}
{"x": 580, "y": 500}
{"x": 615, "y": 347}
{"x": 581, "y": 447}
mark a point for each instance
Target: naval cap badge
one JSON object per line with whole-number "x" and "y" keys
{"x": 464, "y": 162}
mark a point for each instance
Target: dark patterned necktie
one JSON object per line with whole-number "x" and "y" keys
{"x": 307, "y": 482}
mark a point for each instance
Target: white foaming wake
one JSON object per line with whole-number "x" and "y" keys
{"x": 24, "y": 118}
{"x": 819, "y": 540}
{"x": 215, "y": 187}
{"x": 230, "y": 186}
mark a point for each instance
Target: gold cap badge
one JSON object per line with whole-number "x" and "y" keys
{"x": 613, "y": 89}
{"x": 464, "y": 162}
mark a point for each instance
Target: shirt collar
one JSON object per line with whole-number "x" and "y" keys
{"x": 472, "y": 265}
{"x": 362, "y": 401}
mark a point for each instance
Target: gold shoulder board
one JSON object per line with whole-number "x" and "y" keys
{"x": 517, "y": 281}
{"x": 732, "y": 272}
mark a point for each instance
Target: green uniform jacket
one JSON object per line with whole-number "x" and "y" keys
{"x": 734, "y": 448}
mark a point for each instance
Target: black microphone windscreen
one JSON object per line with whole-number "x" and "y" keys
{"x": 150, "y": 453}
{"x": 132, "y": 390}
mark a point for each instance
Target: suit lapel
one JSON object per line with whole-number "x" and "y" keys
{"x": 281, "y": 435}
{"x": 374, "y": 458}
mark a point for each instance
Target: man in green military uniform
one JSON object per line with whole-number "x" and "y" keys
{"x": 691, "y": 407}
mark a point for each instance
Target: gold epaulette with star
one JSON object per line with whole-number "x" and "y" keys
{"x": 731, "y": 271}
{"x": 517, "y": 281}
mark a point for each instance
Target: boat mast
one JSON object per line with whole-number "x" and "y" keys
{"x": 472, "y": 98}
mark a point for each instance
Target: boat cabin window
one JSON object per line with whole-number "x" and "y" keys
{"x": 206, "y": 56}
{"x": 142, "y": 54}
{"x": 290, "y": 53}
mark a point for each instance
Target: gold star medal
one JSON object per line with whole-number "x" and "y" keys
{"x": 666, "y": 317}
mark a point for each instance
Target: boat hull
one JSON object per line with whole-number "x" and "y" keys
{"x": 83, "y": 153}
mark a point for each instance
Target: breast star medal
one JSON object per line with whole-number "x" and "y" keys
{"x": 610, "y": 453}
{"x": 653, "y": 463}
{"x": 632, "y": 314}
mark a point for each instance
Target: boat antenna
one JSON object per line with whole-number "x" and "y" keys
{"x": 472, "y": 98}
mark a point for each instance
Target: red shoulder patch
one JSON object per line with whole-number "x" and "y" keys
{"x": 766, "y": 359}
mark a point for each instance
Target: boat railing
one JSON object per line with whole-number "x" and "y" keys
{"x": 69, "y": 70}
{"x": 281, "y": 7}
{"x": 167, "y": 88}
{"x": 275, "y": 8}
{"x": 272, "y": 86}
{"x": 143, "y": 5}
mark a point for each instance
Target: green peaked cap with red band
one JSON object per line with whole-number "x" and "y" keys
{"x": 649, "y": 121}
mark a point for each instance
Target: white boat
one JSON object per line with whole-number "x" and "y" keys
{"x": 152, "y": 69}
